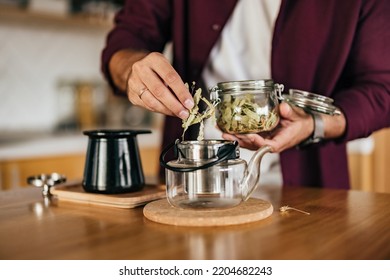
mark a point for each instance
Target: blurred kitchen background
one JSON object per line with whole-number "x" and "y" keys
{"x": 51, "y": 89}
{"x": 50, "y": 71}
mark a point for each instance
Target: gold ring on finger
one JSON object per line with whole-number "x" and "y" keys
{"x": 142, "y": 91}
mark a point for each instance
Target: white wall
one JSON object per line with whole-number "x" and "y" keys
{"x": 33, "y": 57}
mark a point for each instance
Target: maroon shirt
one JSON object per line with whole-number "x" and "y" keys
{"x": 336, "y": 48}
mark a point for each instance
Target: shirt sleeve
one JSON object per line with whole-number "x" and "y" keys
{"x": 365, "y": 97}
{"x": 139, "y": 25}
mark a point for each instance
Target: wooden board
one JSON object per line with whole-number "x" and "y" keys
{"x": 252, "y": 210}
{"x": 75, "y": 193}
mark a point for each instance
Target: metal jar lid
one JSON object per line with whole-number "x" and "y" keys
{"x": 311, "y": 102}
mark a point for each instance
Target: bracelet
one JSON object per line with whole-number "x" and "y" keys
{"x": 318, "y": 133}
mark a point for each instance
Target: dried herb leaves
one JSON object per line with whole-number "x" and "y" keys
{"x": 286, "y": 208}
{"x": 235, "y": 114}
{"x": 241, "y": 114}
{"x": 195, "y": 116}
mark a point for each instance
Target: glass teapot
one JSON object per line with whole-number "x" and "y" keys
{"x": 209, "y": 174}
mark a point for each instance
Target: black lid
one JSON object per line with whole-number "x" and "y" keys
{"x": 114, "y": 133}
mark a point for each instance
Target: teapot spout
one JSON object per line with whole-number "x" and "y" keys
{"x": 252, "y": 173}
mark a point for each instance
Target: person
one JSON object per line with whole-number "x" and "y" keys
{"x": 338, "y": 49}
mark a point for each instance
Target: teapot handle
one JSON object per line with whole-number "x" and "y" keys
{"x": 252, "y": 173}
{"x": 223, "y": 153}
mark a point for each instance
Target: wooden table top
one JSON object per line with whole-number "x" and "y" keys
{"x": 341, "y": 225}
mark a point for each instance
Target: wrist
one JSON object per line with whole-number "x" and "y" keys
{"x": 120, "y": 66}
{"x": 335, "y": 126}
{"x": 318, "y": 133}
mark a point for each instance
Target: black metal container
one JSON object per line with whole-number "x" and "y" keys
{"x": 113, "y": 164}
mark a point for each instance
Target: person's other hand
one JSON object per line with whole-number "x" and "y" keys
{"x": 155, "y": 85}
{"x": 295, "y": 126}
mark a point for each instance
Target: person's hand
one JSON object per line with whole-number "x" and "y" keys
{"x": 155, "y": 85}
{"x": 294, "y": 127}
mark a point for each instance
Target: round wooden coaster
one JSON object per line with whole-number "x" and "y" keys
{"x": 252, "y": 210}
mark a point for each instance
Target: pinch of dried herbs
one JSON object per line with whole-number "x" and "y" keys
{"x": 241, "y": 114}
{"x": 194, "y": 115}
{"x": 286, "y": 208}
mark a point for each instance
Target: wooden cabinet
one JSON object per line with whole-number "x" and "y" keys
{"x": 14, "y": 173}
{"x": 371, "y": 171}
{"x": 381, "y": 162}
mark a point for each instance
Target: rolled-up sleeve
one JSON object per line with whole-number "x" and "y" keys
{"x": 139, "y": 25}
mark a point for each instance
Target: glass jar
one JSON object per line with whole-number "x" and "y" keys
{"x": 249, "y": 106}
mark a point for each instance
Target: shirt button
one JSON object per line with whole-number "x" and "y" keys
{"x": 216, "y": 27}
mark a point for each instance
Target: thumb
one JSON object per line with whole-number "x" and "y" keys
{"x": 286, "y": 111}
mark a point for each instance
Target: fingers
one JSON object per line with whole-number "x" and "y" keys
{"x": 173, "y": 81}
{"x": 295, "y": 126}
{"x": 166, "y": 92}
{"x": 293, "y": 113}
{"x": 248, "y": 141}
{"x": 285, "y": 110}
